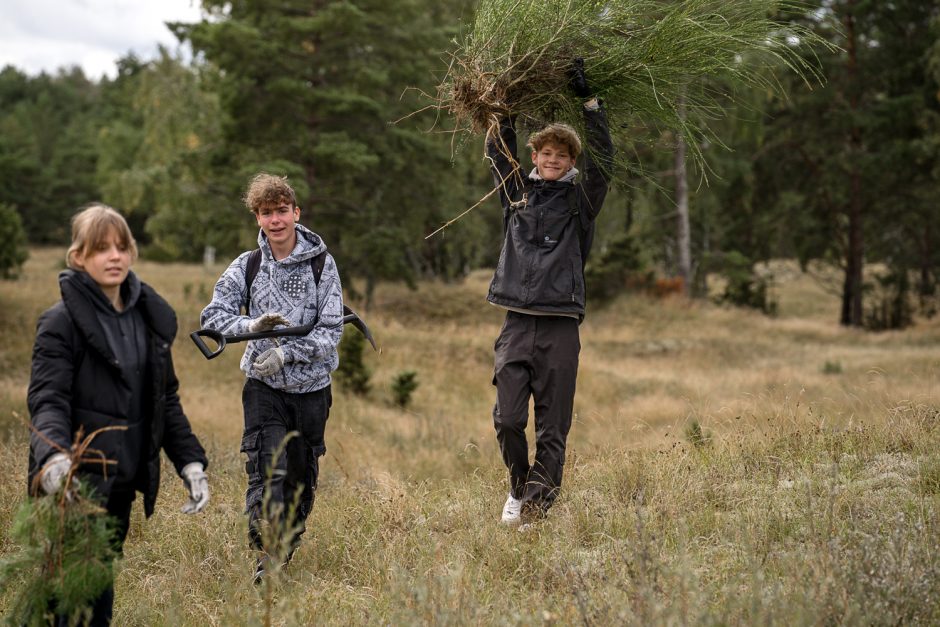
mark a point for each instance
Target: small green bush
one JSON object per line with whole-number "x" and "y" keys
{"x": 14, "y": 251}
{"x": 745, "y": 287}
{"x": 403, "y": 385}
{"x": 832, "y": 367}
{"x": 696, "y": 435}
{"x": 618, "y": 266}
{"x": 352, "y": 373}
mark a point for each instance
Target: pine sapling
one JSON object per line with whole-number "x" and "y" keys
{"x": 66, "y": 545}
{"x": 403, "y": 385}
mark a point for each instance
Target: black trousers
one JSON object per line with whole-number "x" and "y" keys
{"x": 282, "y": 490}
{"x": 119, "y": 506}
{"x": 536, "y": 356}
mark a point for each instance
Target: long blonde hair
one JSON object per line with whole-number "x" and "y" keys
{"x": 91, "y": 226}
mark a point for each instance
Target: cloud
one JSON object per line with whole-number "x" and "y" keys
{"x": 44, "y": 35}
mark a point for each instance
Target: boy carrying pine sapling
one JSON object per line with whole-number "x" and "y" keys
{"x": 548, "y": 226}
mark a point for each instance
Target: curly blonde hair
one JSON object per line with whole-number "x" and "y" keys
{"x": 266, "y": 190}
{"x": 556, "y": 133}
{"x": 91, "y": 227}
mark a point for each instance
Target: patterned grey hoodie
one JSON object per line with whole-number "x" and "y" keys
{"x": 286, "y": 287}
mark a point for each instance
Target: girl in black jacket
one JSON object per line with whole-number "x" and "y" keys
{"x": 102, "y": 358}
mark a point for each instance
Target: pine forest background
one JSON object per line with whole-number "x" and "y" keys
{"x": 845, "y": 172}
{"x": 745, "y": 448}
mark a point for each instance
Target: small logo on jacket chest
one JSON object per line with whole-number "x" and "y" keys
{"x": 294, "y": 286}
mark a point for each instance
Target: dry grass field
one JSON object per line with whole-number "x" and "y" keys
{"x": 724, "y": 468}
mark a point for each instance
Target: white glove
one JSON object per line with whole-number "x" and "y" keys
{"x": 53, "y": 472}
{"x": 266, "y": 322}
{"x": 269, "y": 362}
{"x": 194, "y": 476}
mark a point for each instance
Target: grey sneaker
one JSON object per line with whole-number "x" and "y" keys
{"x": 511, "y": 511}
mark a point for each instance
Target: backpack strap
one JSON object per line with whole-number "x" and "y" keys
{"x": 254, "y": 265}
{"x": 251, "y": 271}
{"x": 316, "y": 266}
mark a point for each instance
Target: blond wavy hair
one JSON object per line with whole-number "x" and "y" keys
{"x": 268, "y": 190}
{"x": 557, "y": 133}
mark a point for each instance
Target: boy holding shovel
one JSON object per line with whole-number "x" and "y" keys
{"x": 293, "y": 282}
{"x": 548, "y": 226}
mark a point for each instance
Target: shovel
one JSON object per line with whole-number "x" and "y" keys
{"x": 349, "y": 317}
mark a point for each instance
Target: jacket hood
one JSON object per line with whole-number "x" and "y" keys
{"x": 308, "y": 245}
{"x": 569, "y": 176}
{"x": 130, "y": 290}
{"x": 82, "y": 297}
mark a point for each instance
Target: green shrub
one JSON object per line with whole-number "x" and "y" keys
{"x": 744, "y": 287}
{"x": 403, "y": 385}
{"x": 832, "y": 367}
{"x": 352, "y": 374}
{"x": 615, "y": 268}
{"x": 14, "y": 252}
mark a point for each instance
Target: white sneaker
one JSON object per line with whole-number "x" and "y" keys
{"x": 512, "y": 511}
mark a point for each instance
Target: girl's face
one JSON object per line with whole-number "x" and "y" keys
{"x": 107, "y": 262}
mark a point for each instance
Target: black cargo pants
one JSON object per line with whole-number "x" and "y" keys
{"x": 537, "y": 356}
{"x": 276, "y": 485}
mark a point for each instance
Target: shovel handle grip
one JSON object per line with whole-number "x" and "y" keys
{"x": 213, "y": 335}
{"x": 221, "y": 340}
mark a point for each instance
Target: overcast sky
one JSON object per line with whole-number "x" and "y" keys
{"x": 37, "y": 35}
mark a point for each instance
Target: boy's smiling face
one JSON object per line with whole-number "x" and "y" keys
{"x": 553, "y": 161}
{"x": 277, "y": 221}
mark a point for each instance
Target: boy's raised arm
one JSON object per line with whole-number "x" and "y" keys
{"x": 502, "y": 153}
{"x": 598, "y": 159}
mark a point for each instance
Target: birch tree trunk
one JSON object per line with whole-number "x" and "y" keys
{"x": 683, "y": 237}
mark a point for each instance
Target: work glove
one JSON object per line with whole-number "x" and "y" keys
{"x": 577, "y": 80}
{"x": 269, "y": 362}
{"x": 54, "y": 472}
{"x": 194, "y": 476}
{"x": 266, "y": 322}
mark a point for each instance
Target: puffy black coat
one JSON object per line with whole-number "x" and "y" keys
{"x": 548, "y": 226}
{"x": 76, "y": 382}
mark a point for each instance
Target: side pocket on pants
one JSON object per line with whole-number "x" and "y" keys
{"x": 252, "y": 448}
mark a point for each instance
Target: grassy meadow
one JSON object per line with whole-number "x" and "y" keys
{"x": 724, "y": 468}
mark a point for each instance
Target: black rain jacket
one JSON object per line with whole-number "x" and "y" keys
{"x": 548, "y": 226}
{"x": 76, "y": 381}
